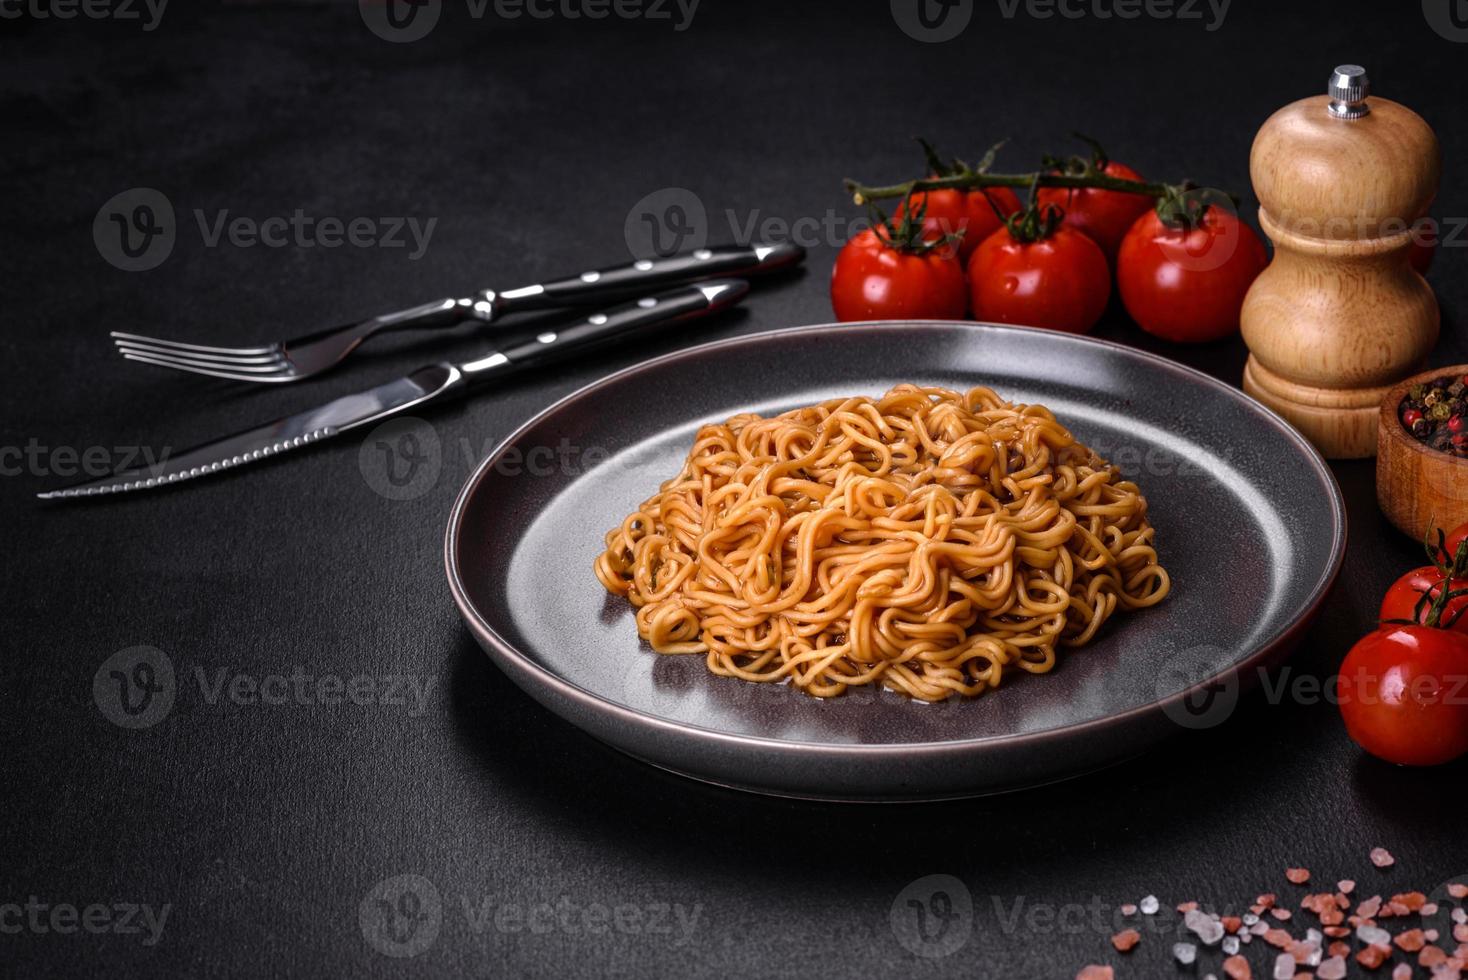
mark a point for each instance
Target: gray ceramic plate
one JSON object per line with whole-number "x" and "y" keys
{"x": 1249, "y": 523}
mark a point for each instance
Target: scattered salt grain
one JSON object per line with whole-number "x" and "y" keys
{"x": 1332, "y": 969}
{"x": 1345, "y": 886}
{"x": 1150, "y": 905}
{"x": 1297, "y": 876}
{"x": 1237, "y": 968}
{"x": 1373, "y": 935}
{"x": 1230, "y": 945}
{"x": 1402, "y": 972}
{"x": 1094, "y": 972}
{"x": 1382, "y": 858}
{"x": 1185, "y": 953}
{"x": 1207, "y": 927}
{"x": 1129, "y": 909}
{"x": 1250, "y": 918}
{"x": 1125, "y": 940}
{"x": 1284, "y": 967}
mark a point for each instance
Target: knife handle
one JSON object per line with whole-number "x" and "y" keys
{"x": 606, "y": 284}
{"x": 618, "y": 323}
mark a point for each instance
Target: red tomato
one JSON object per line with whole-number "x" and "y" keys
{"x": 1403, "y": 694}
{"x": 1455, "y": 537}
{"x": 1060, "y": 282}
{"x": 948, "y": 212}
{"x": 1103, "y": 215}
{"x": 1189, "y": 285}
{"x": 1401, "y": 599}
{"x": 876, "y": 281}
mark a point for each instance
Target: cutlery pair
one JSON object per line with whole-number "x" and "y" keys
{"x": 295, "y": 360}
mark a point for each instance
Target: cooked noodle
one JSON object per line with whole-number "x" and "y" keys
{"x": 926, "y": 541}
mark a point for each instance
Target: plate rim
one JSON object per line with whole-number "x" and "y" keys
{"x": 525, "y": 666}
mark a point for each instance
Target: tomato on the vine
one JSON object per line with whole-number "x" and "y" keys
{"x": 1402, "y": 599}
{"x": 973, "y": 214}
{"x": 1039, "y": 273}
{"x": 1403, "y": 696}
{"x": 1104, "y": 216}
{"x": 893, "y": 271}
{"x": 1404, "y": 687}
{"x": 1446, "y": 552}
{"x": 1185, "y": 278}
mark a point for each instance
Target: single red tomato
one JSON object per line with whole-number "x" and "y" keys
{"x": 876, "y": 280}
{"x": 1060, "y": 281}
{"x": 1188, "y": 284}
{"x": 972, "y": 213}
{"x": 1403, "y": 694}
{"x": 1400, "y": 601}
{"x": 1454, "y": 538}
{"x": 1104, "y": 216}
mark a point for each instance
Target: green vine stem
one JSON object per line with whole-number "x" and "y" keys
{"x": 969, "y": 179}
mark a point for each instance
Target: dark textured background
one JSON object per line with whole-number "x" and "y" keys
{"x": 265, "y": 826}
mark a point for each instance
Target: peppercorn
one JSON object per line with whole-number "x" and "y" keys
{"x": 1436, "y": 413}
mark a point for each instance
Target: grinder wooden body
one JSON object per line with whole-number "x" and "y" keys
{"x": 1339, "y": 316}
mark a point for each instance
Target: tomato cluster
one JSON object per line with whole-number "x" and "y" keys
{"x": 1404, "y": 687}
{"x": 1182, "y": 266}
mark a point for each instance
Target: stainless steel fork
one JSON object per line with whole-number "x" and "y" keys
{"x": 311, "y": 354}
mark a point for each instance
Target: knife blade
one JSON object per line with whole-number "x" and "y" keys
{"x": 432, "y": 382}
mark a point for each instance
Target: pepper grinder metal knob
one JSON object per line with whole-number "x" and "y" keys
{"x": 1348, "y": 88}
{"x": 1339, "y": 316}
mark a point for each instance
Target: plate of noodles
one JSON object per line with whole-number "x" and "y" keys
{"x": 895, "y": 560}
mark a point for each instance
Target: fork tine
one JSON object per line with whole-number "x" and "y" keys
{"x": 224, "y": 360}
{"x": 213, "y": 372}
{"x": 251, "y": 369}
{"x": 196, "y": 348}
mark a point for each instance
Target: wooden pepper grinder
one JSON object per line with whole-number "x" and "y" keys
{"x": 1339, "y": 316}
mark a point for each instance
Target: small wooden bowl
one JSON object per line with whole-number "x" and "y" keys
{"x": 1418, "y": 488}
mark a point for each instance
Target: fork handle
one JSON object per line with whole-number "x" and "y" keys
{"x": 601, "y": 285}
